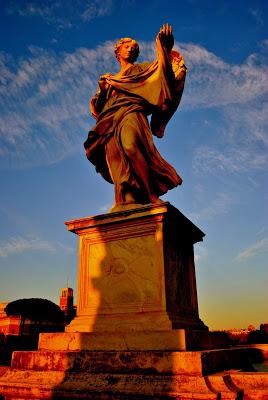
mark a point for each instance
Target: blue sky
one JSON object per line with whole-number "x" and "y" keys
{"x": 51, "y": 55}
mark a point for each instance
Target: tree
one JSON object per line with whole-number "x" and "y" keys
{"x": 36, "y": 310}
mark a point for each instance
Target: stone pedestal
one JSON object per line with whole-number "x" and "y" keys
{"x": 137, "y": 311}
{"x": 136, "y": 271}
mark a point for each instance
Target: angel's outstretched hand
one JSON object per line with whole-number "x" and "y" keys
{"x": 166, "y": 37}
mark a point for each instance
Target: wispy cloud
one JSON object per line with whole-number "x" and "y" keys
{"x": 54, "y": 11}
{"x": 94, "y": 9}
{"x": 44, "y": 103}
{"x": 239, "y": 93}
{"x": 20, "y": 244}
{"x": 257, "y": 15}
{"x": 214, "y": 83}
{"x": 200, "y": 252}
{"x": 256, "y": 248}
{"x": 214, "y": 161}
{"x": 249, "y": 123}
{"x": 221, "y": 204}
{"x": 262, "y": 230}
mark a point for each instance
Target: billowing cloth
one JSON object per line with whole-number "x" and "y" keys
{"x": 143, "y": 89}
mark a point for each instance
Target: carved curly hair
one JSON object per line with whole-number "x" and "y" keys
{"x": 126, "y": 40}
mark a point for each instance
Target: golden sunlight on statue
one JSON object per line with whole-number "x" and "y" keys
{"x": 121, "y": 143}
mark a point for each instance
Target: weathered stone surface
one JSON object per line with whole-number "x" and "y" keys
{"x": 134, "y": 375}
{"x": 153, "y": 362}
{"x": 176, "y": 339}
{"x": 17, "y": 384}
{"x": 136, "y": 271}
{"x": 169, "y": 340}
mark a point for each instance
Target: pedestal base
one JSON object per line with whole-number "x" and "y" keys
{"x": 132, "y": 375}
{"x": 172, "y": 340}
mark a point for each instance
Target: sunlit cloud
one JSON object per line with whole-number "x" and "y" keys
{"x": 56, "y": 13}
{"x": 259, "y": 247}
{"x": 20, "y": 244}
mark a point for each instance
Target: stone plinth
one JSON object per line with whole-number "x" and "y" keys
{"x": 133, "y": 375}
{"x": 176, "y": 340}
{"x": 201, "y": 363}
{"x": 136, "y": 271}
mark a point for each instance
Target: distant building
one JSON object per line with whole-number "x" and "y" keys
{"x": 11, "y": 325}
{"x": 67, "y": 304}
{"x": 8, "y": 325}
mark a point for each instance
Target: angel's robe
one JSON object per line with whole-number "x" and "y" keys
{"x": 143, "y": 89}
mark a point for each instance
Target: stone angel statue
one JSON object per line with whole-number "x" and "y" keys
{"x": 121, "y": 143}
